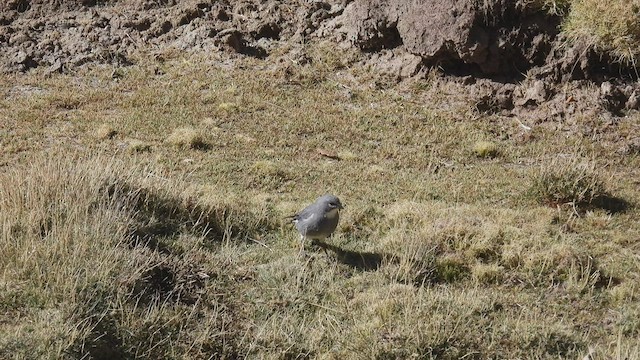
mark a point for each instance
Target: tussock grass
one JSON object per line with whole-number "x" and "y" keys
{"x": 86, "y": 264}
{"x": 568, "y": 180}
{"x": 485, "y": 149}
{"x": 228, "y": 107}
{"x": 187, "y": 137}
{"x": 488, "y": 273}
{"x": 56, "y": 226}
{"x": 138, "y": 146}
{"x": 612, "y": 27}
{"x": 270, "y": 175}
{"x": 104, "y": 132}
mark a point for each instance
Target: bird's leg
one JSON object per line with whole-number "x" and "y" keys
{"x": 301, "y": 245}
{"x": 325, "y": 249}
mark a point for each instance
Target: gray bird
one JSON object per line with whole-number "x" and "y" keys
{"x": 318, "y": 220}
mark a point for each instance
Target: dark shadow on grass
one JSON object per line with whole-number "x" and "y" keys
{"x": 254, "y": 51}
{"x": 160, "y": 218}
{"x": 610, "y": 203}
{"x": 103, "y": 342}
{"x": 153, "y": 236}
{"x": 421, "y": 271}
{"x": 365, "y": 261}
{"x": 201, "y": 146}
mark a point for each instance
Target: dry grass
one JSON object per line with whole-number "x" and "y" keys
{"x": 555, "y": 7}
{"x": 187, "y": 137}
{"x": 138, "y": 146}
{"x": 104, "y": 132}
{"x": 568, "y": 180}
{"x": 102, "y": 259}
{"x": 610, "y": 26}
{"x": 175, "y": 254}
{"x": 485, "y": 149}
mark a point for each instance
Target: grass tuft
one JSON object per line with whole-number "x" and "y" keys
{"x": 554, "y": 7}
{"x": 138, "y": 146}
{"x": 609, "y": 26}
{"x": 105, "y": 132}
{"x": 485, "y": 149}
{"x": 572, "y": 181}
{"x": 451, "y": 269}
{"x": 111, "y": 286}
{"x": 269, "y": 174}
{"x": 487, "y": 273}
{"x": 187, "y": 138}
{"x": 228, "y": 107}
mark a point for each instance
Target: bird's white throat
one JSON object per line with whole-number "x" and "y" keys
{"x": 331, "y": 214}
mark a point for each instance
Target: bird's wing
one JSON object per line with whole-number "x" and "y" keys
{"x": 304, "y": 217}
{"x": 304, "y": 214}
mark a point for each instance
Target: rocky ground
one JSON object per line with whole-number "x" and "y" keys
{"x": 508, "y": 57}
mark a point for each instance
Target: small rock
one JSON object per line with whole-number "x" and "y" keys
{"x": 504, "y": 96}
{"x": 468, "y": 80}
{"x": 56, "y": 67}
{"x": 536, "y": 94}
{"x": 612, "y": 97}
{"x": 21, "y": 57}
{"x": 232, "y": 38}
{"x": 411, "y": 66}
{"x": 606, "y": 88}
{"x": 633, "y": 103}
{"x": 630, "y": 147}
{"x": 398, "y": 65}
{"x": 19, "y": 38}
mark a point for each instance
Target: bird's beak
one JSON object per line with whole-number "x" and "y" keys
{"x": 340, "y": 206}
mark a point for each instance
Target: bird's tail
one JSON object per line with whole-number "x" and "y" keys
{"x": 292, "y": 218}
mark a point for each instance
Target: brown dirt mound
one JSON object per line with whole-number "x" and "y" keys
{"x": 515, "y": 44}
{"x": 493, "y": 38}
{"x": 496, "y": 38}
{"x": 503, "y": 40}
{"x": 65, "y": 34}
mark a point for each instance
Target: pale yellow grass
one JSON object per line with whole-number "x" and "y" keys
{"x": 186, "y": 254}
{"x": 612, "y": 27}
